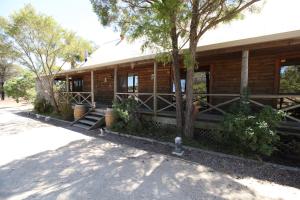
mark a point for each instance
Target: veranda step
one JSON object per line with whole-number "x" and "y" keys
{"x": 288, "y": 133}
{"x": 96, "y": 113}
{"x": 93, "y": 117}
{"x": 296, "y": 128}
{"x": 84, "y": 121}
{"x": 100, "y": 110}
{"x": 86, "y": 127}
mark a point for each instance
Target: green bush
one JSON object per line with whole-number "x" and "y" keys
{"x": 251, "y": 133}
{"x": 126, "y": 116}
{"x": 66, "y": 111}
{"x": 21, "y": 87}
{"x": 42, "y": 106}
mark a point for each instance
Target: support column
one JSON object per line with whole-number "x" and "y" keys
{"x": 67, "y": 83}
{"x": 244, "y": 71}
{"x": 155, "y": 88}
{"x": 92, "y": 89}
{"x": 115, "y": 82}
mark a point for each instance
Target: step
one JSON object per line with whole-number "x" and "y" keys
{"x": 96, "y": 113}
{"x": 93, "y": 117}
{"x": 100, "y": 110}
{"x": 288, "y": 133}
{"x": 286, "y": 127}
{"x": 86, "y": 127}
{"x": 84, "y": 121}
{"x": 290, "y": 124}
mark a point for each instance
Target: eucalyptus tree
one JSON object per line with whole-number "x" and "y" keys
{"x": 206, "y": 15}
{"x": 42, "y": 46}
{"x": 160, "y": 24}
{"x": 7, "y": 57}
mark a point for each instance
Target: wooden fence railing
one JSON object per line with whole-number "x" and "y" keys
{"x": 215, "y": 102}
{"x": 78, "y": 97}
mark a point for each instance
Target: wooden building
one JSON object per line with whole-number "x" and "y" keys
{"x": 223, "y": 70}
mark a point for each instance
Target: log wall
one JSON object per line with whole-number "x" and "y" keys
{"x": 225, "y": 72}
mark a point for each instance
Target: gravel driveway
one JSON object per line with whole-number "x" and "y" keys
{"x": 43, "y": 161}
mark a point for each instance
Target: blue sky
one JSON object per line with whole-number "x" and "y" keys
{"x": 75, "y": 15}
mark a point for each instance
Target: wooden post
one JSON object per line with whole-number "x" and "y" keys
{"x": 244, "y": 71}
{"x": 67, "y": 83}
{"x": 92, "y": 89}
{"x": 155, "y": 88}
{"x": 115, "y": 82}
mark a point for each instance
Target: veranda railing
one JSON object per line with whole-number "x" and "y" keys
{"x": 219, "y": 103}
{"x": 78, "y": 97}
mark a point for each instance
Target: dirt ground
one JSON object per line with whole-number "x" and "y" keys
{"x": 40, "y": 160}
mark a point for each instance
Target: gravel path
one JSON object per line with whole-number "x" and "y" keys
{"x": 44, "y": 161}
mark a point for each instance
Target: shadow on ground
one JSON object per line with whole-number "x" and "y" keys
{"x": 101, "y": 170}
{"x": 231, "y": 166}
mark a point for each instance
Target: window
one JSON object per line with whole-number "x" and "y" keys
{"x": 182, "y": 84}
{"x": 201, "y": 82}
{"x": 132, "y": 83}
{"x": 290, "y": 77}
{"x": 77, "y": 85}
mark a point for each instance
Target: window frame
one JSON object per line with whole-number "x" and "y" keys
{"x": 135, "y": 82}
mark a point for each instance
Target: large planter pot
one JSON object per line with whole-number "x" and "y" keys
{"x": 79, "y": 111}
{"x": 196, "y": 108}
{"x": 109, "y": 118}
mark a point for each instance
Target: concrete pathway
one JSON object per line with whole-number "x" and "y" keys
{"x": 42, "y": 161}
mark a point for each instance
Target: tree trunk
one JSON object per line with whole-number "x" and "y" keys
{"x": 2, "y": 91}
{"x": 52, "y": 97}
{"x": 189, "y": 120}
{"x": 176, "y": 76}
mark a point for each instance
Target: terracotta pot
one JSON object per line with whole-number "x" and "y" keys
{"x": 196, "y": 107}
{"x": 79, "y": 111}
{"x": 109, "y": 118}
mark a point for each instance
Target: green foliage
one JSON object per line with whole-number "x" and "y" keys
{"x": 21, "y": 87}
{"x": 251, "y": 133}
{"x": 65, "y": 108}
{"x": 150, "y": 21}
{"x": 126, "y": 116}
{"x": 41, "y": 45}
{"x": 42, "y": 106}
{"x": 188, "y": 60}
{"x": 290, "y": 79}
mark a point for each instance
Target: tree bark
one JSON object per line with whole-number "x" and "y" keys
{"x": 189, "y": 120}
{"x": 176, "y": 76}
{"x": 2, "y": 91}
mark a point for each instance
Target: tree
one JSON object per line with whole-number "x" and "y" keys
{"x": 77, "y": 50}
{"x": 159, "y": 23}
{"x": 42, "y": 46}
{"x": 205, "y": 15}
{"x": 21, "y": 87}
{"x": 290, "y": 79}
{"x": 171, "y": 21}
{"x": 7, "y": 68}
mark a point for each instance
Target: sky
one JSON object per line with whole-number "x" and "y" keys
{"x": 77, "y": 15}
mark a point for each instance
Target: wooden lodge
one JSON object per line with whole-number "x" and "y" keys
{"x": 223, "y": 69}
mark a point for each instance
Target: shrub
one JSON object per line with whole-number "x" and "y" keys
{"x": 66, "y": 111}
{"x": 21, "y": 87}
{"x": 251, "y": 133}
{"x": 126, "y": 116}
{"x": 41, "y": 105}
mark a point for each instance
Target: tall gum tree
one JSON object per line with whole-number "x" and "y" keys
{"x": 205, "y": 15}
{"x": 42, "y": 46}
{"x": 160, "y": 23}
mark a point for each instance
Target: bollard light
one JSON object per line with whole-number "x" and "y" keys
{"x": 178, "y": 147}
